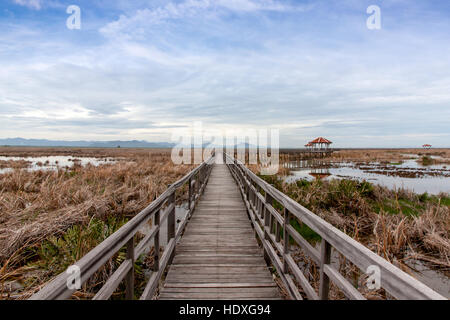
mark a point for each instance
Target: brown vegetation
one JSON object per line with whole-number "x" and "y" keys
{"x": 38, "y": 207}
{"x": 399, "y": 225}
{"x": 13, "y": 164}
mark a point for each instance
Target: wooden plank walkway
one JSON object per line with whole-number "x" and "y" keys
{"x": 218, "y": 256}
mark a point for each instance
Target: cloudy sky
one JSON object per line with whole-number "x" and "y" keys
{"x": 140, "y": 69}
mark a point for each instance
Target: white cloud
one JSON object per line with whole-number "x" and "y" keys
{"x": 190, "y": 8}
{"x": 191, "y": 61}
{"x": 32, "y": 4}
{"x": 252, "y": 5}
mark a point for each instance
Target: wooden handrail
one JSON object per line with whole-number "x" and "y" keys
{"x": 267, "y": 223}
{"x": 161, "y": 208}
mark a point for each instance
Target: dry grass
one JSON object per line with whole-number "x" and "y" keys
{"x": 399, "y": 225}
{"x": 79, "y": 152}
{"x": 391, "y": 223}
{"x": 40, "y": 206}
{"x": 12, "y": 164}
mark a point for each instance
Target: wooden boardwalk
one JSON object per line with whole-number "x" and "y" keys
{"x": 215, "y": 253}
{"x": 218, "y": 256}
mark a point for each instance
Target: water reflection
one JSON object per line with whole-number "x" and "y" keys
{"x": 408, "y": 174}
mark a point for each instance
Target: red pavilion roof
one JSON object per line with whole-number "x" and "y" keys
{"x": 321, "y": 140}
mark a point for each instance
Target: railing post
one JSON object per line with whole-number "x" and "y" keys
{"x": 324, "y": 286}
{"x": 156, "y": 241}
{"x": 204, "y": 176}
{"x": 200, "y": 179}
{"x": 254, "y": 196}
{"x": 171, "y": 222}
{"x": 129, "y": 279}
{"x": 277, "y": 231}
{"x": 197, "y": 185}
{"x": 271, "y": 220}
{"x": 260, "y": 207}
{"x": 286, "y": 223}
{"x": 247, "y": 187}
{"x": 267, "y": 214}
{"x": 190, "y": 195}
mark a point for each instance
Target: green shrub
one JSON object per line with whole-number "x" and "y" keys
{"x": 306, "y": 232}
{"x": 303, "y": 183}
{"x": 426, "y": 160}
{"x": 58, "y": 253}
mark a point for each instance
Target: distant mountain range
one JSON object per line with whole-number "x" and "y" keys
{"x": 103, "y": 144}
{"x": 85, "y": 144}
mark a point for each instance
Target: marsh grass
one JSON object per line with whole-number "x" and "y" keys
{"x": 427, "y": 161}
{"x": 393, "y": 223}
{"x": 14, "y": 164}
{"x": 50, "y": 219}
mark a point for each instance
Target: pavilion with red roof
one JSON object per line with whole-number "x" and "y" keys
{"x": 320, "y": 143}
{"x": 426, "y": 146}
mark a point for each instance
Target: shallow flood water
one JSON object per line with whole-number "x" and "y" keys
{"x": 408, "y": 175}
{"x": 55, "y": 162}
{"x": 438, "y": 281}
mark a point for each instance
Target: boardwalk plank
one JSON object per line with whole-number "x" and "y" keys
{"x": 218, "y": 257}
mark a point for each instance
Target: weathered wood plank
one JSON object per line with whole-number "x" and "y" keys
{"x": 213, "y": 278}
{"x": 219, "y": 269}
{"x": 239, "y": 295}
{"x": 261, "y": 284}
{"x": 218, "y": 256}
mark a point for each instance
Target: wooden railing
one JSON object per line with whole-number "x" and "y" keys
{"x": 274, "y": 231}
{"x": 160, "y": 209}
